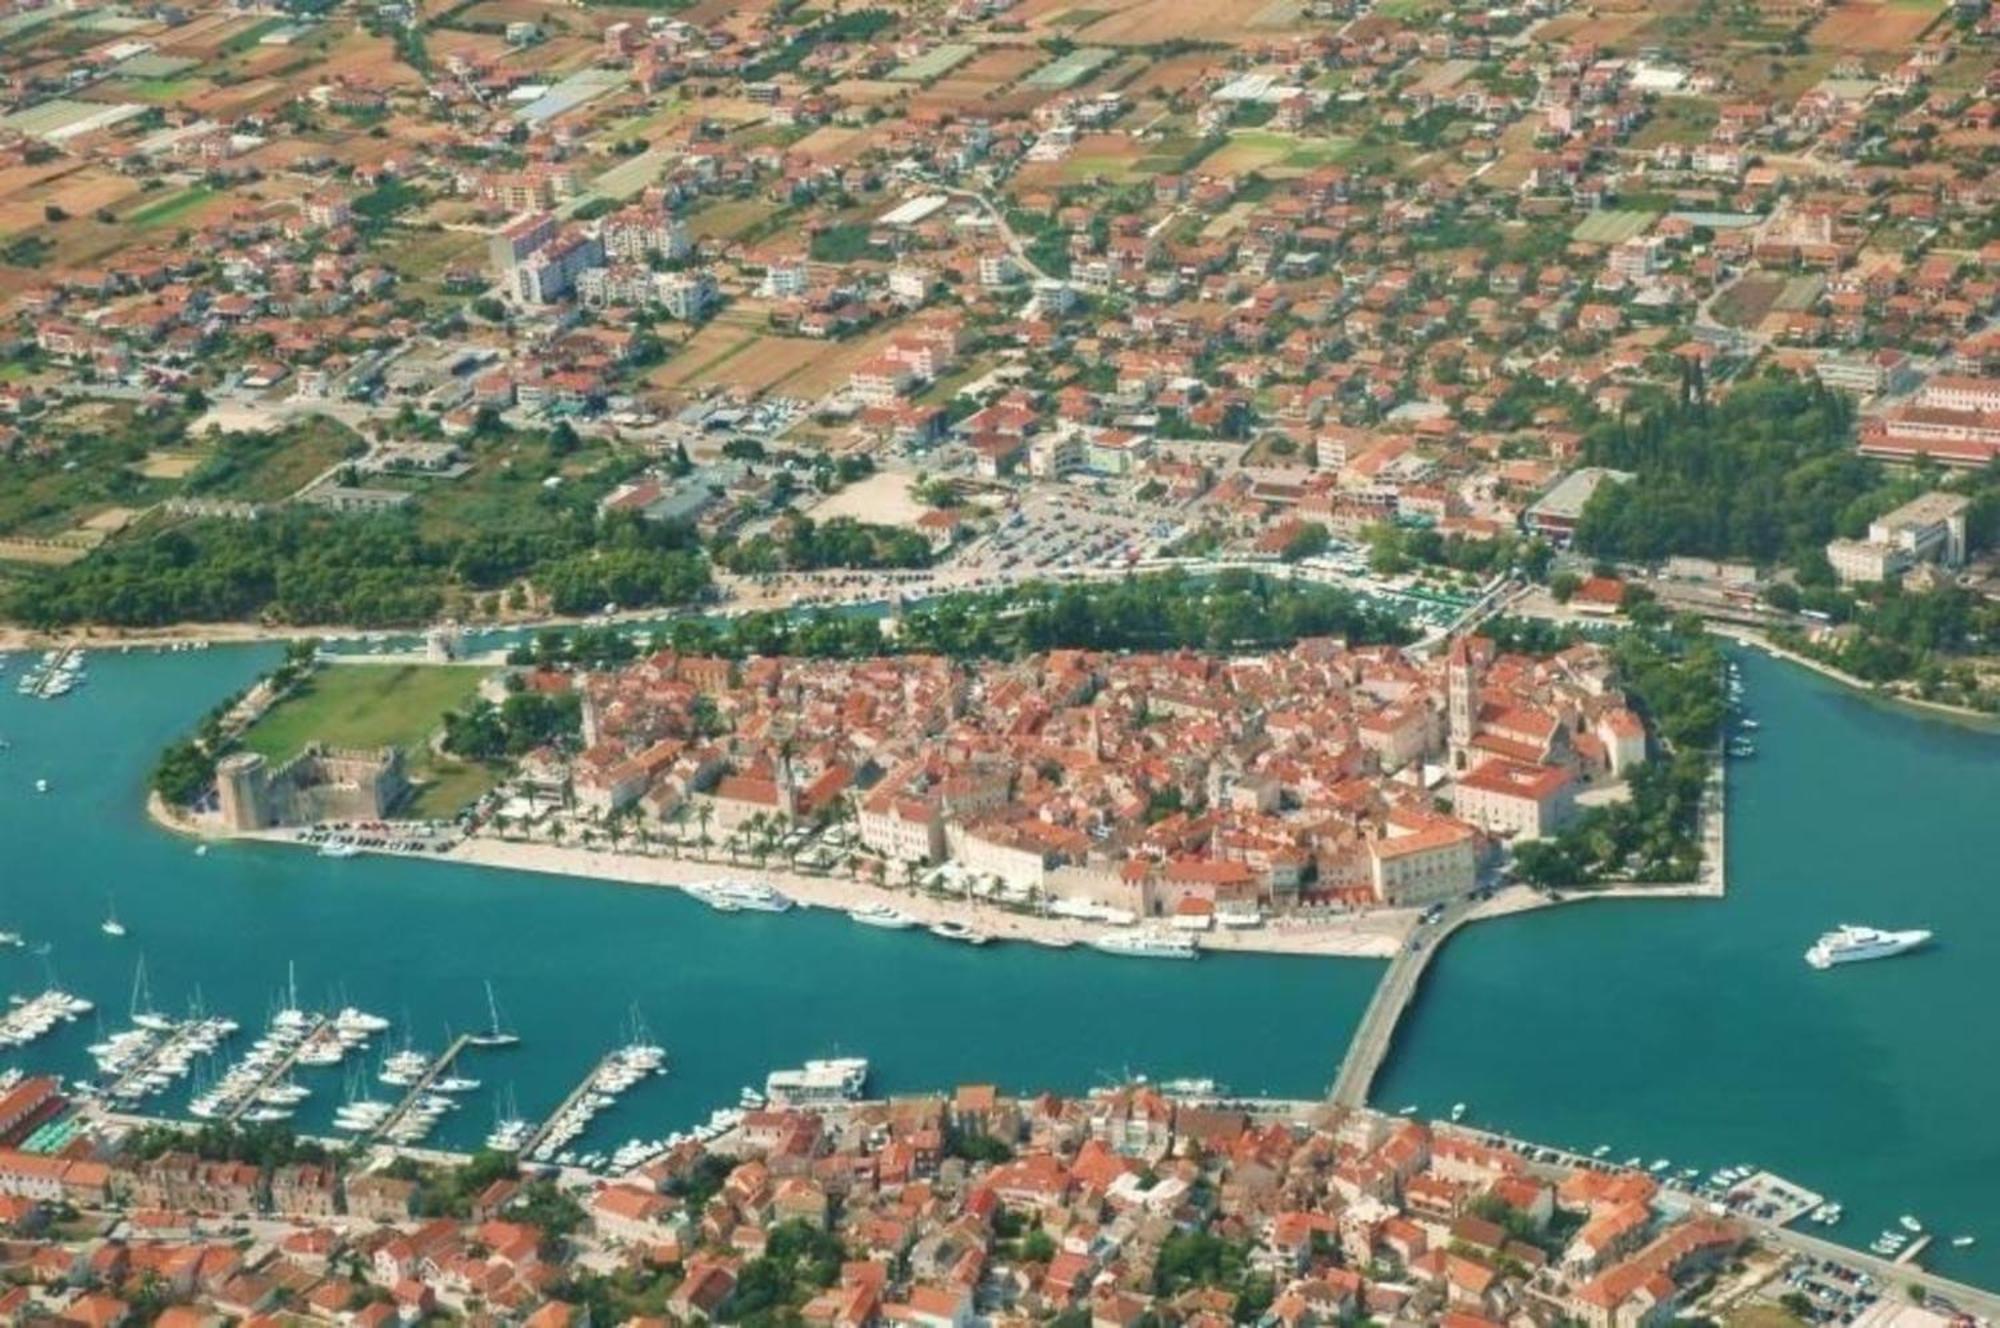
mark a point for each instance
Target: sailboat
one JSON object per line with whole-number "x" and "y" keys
{"x": 112, "y": 926}
{"x": 496, "y": 1035}
{"x": 143, "y": 1014}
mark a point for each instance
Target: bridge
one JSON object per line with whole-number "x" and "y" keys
{"x": 1369, "y": 1046}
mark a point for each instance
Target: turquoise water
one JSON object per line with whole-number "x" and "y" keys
{"x": 731, "y": 997}
{"x": 1693, "y": 1031}
{"x": 1688, "y": 1030}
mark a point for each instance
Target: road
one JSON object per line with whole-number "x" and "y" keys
{"x": 1376, "y": 1032}
{"x": 1013, "y": 241}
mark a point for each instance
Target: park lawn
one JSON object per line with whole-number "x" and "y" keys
{"x": 163, "y": 210}
{"x": 365, "y": 705}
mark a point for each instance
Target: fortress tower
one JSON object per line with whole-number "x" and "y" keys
{"x": 243, "y": 787}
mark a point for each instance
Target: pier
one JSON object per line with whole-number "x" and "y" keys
{"x": 574, "y": 1096}
{"x": 278, "y": 1071}
{"x": 422, "y": 1085}
{"x": 1369, "y": 1046}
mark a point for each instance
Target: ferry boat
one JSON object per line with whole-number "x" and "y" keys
{"x": 882, "y": 915}
{"x": 731, "y": 896}
{"x": 958, "y": 931}
{"x": 1146, "y": 945}
{"x": 817, "y": 1082}
{"x": 1849, "y": 944}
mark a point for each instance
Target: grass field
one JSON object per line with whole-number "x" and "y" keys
{"x": 365, "y": 705}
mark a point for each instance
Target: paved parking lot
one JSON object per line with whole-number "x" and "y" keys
{"x": 1065, "y": 531}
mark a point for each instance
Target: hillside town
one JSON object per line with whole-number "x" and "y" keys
{"x": 1128, "y": 1205}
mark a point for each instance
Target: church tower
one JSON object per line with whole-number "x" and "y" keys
{"x": 1461, "y": 675}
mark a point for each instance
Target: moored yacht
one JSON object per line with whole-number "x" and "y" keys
{"x": 1146, "y": 945}
{"x": 735, "y": 896}
{"x": 1849, "y": 944}
{"x": 882, "y": 915}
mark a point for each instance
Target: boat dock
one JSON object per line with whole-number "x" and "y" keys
{"x": 575, "y": 1095}
{"x": 423, "y": 1084}
{"x": 1909, "y": 1253}
{"x": 124, "y": 1084}
{"x": 281, "y": 1068}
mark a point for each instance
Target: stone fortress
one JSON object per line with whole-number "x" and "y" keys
{"x": 321, "y": 783}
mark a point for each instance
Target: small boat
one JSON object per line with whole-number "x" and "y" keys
{"x": 1458, "y": 1110}
{"x": 41, "y": 786}
{"x": 201, "y": 850}
{"x": 1600, "y": 1150}
{"x": 958, "y": 931}
{"x": 1659, "y": 1165}
{"x": 1964, "y": 1242}
{"x": 338, "y": 848}
{"x": 111, "y": 926}
{"x": 1409, "y": 1110}
{"x": 1911, "y": 1225}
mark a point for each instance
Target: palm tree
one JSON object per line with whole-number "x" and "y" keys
{"x": 704, "y": 813}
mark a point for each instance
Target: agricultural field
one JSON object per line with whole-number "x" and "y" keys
{"x": 1066, "y": 71}
{"x": 1892, "y": 26}
{"x": 730, "y": 218}
{"x": 1745, "y": 304}
{"x": 1275, "y": 154}
{"x": 1613, "y": 226}
{"x": 169, "y": 207}
{"x": 934, "y": 63}
{"x": 1683, "y": 120}
{"x": 1148, "y": 22}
